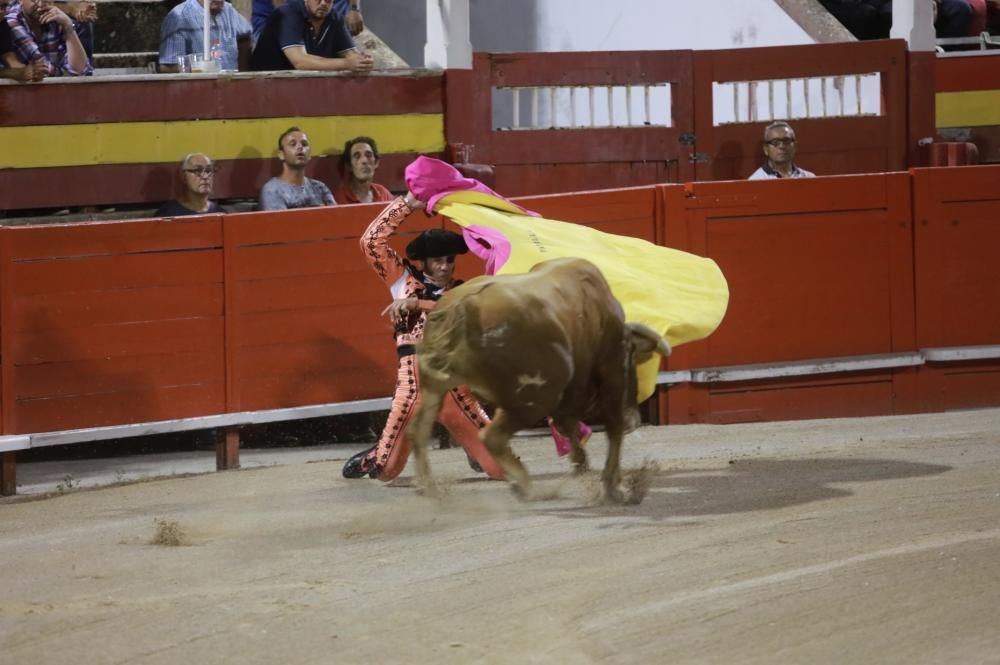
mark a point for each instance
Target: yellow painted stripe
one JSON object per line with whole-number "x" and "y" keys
{"x": 145, "y": 142}
{"x": 975, "y": 108}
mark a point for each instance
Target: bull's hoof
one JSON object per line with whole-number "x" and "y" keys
{"x": 613, "y": 495}
{"x": 522, "y": 492}
{"x": 431, "y": 490}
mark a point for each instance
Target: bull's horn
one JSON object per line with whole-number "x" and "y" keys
{"x": 648, "y": 340}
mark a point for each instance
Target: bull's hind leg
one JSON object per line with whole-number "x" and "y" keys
{"x": 496, "y": 436}
{"x": 419, "y": 434}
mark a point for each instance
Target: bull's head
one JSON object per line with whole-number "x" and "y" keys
{"x": 641, "y": 342}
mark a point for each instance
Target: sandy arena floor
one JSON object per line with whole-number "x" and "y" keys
{"x": 838, "y": 541}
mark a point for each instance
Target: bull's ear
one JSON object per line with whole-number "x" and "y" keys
{"x": 646, "y": 341}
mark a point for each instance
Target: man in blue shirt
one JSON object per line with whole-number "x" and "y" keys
{"x": 349, "y": 10}
{"x": 305, "y": 34}
{"x": 182, "y": 33}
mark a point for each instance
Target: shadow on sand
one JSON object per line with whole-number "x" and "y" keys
{"x": 750, "y": 485}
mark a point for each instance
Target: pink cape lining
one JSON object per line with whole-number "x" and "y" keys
{"x": 488, "y": 244}
{"x": 429, "y": 179}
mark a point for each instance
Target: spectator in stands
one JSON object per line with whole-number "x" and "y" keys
{"x": 860, "y": 18}
{"x": 305, "y": 34}
{"x": 10, "y": 66}
{"x": 993, "y": 16}
{"x": 41, "y": 32}
{"x": 779, "y": 154}
{"x": 357, "y": 167}
{"x": 84, "y": 15}
{"x": 292, "y": 189}
{"x": 952, "y": 18}
{"x": 349, "y": 10}
{"x": 182, "y": 33}
{"x": 197, "y": 180}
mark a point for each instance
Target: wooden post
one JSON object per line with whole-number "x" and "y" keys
{"x": 8, "y": 474}
{"x": 227, "y": 448}
{"x": 913, "y": 20}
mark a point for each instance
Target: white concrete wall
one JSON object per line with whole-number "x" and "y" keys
{"x": 601, "y": 25}
{"x": 594, "y": 25}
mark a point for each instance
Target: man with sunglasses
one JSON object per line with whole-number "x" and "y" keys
{"x": 416, "y": 284}
{"x": 779, "y": 154}
{"x": 197, "y": 181}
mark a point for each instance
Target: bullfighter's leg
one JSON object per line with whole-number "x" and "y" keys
{"x": 464, "y": 417}
{"x": 387, "y": 458}
{"x": 497, "y": 439}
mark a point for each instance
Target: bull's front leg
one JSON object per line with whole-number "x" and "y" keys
{"x": 496, "y": 438}
{"x": 419, "y": 433}
{"x": 612, "y": 475}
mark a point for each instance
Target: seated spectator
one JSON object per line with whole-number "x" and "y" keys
{"x": 977, "y": 18}
{"x": 357, "y": 167}
{"x": 43, "y": 33}
{"x": 993, "y": 16}
{"x": 84, "y": 15}
{"x": 779, "y": 154}
{"x": 348, "y": 10}
{"x": 292, "y": 189}
{"x": 305, "y": 34}
{"x": 182, "y": 33}
{"x": 197, "y": 182}
{"x": 860, "y": 18}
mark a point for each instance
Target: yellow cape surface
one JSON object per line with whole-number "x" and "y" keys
{"x": 680, "y": 295}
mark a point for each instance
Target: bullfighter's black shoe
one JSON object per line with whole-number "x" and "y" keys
{"x": 360, "y": 466}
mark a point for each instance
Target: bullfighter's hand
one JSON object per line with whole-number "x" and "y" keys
{"x": 412, "y": 202}
{"x": 400, "y": 307}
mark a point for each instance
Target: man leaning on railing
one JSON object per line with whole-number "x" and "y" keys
{"x": 43, "y": 33}
{"x": 305, "y": 34}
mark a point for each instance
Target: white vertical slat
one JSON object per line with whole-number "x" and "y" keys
{"x": 590, "y": 102}
{"x": 771, "y": 113}
{"x": 752, "y": 100}
{"x": 517, "y": 107}
{"x": 628, "y": 106}
{"x": 805, "y": 85}
{"x": 534, "y": 108}
{"x": 822, "y": 96}
{"x": 857, "y": 91}
{"x": 736, "y": 101}
{"x": 788, "y": 98}
{"x": 552, "y": 107}
{"x": 611, "y": 106}
{"x": 572, "y": 106}
{"x": 648, "y": 105}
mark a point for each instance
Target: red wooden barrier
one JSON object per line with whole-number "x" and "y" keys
{"x": 816, "y": 268}
{"x": 957, "y": 277}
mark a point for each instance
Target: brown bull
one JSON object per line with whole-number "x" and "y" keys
{"x": 552, "y": 342}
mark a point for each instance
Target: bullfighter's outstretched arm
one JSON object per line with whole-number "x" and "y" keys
{"x": 375, "y": 241}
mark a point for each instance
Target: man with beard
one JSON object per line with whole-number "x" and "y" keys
{"x": 779, "y": 154}
{"x": 292, "y": 189}
{"x": 357, "y": 166}
{"x": 305, "y": 34}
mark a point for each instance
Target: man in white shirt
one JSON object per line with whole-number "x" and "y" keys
{"x": 779, "y": 154}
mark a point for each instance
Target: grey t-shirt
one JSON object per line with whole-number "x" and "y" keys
{"x": 279, "y": 195}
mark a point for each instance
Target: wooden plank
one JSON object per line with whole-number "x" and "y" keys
{"x": 290, "y": 391}
{"x": 136, "y": 405}
{"x": 781, "y": 62}
{"x": 57, "y": 310}
{"x": 327, "y": 356}
{"x": 105, "y": 273}
{"x": 104, "y": 375}
{"x": 865, "y": 395}
{"x": 306, "y": 291}
{"x": 313, "y": 323}
{"x": 960, "y": 73}
{"x": 116, "y": 341}
{"x": 155, "y": 182}
{"x": 170, "y": 98}
{"x": 334, "y": 259}
{"x": 8, "y": 474}
{"x": 536, "y": 179}
{"x": 591, "y": 68}
{"x": 118, "y": 237}
{"x": 835, "y": 195}
{"x": 227, "y": 451}
{"x": 578, "y": 146}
